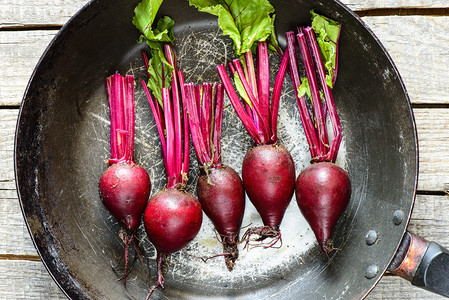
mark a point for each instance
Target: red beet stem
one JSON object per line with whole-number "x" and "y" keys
{"x": 250, "y": 73}
{"x": 323, "y": 144}
{"x": 158, "y": 120}
{"x": 259, "y": 122}
{"x": 263, "y": 84}
{"x": 247, "y": 121}
{"x": 170, "y": 55}
{"x": 113, "y": 117}
{"x": 330, "y": 104}
{"x": 129, "y": 108}
{"x": 170, "y": 139}
{"x": 120, "y": 92}
{"x": 247, "y": 106}
{"x": 173, "y": 130}
{"x": 146, "y": 62}
{"x": 309, "y": 129}
{"x": 206, "y": 116}
{"x": 195, "y": 125}
{"x": 219, "y": 96}
{"x": 276, "y": 97}
{"x": 186, "y": 154}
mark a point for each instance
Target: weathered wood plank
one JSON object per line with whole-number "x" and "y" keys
{"x": 27, "y": 280}
{"x": 370, "y": 4}
{"x": 19, "y": 54}
{"x": 419, "y": 46}
{"x": 22, "y": 12}
{"x": 433, "y": 138}
{"x": 8, "y": 119}
{"x": 14, "y": 236}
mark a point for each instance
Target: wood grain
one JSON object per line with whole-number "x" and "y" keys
{"x": 19, "y": 53}
{"x": 433, "y": 138}
{"x": 26, "y": 280}
{"x": 374, "y": 4}
{"x": 420, "y": 49}
{"x": 22, "y": 12}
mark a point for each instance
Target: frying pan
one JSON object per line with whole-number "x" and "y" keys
{"x": 62, "y": 142}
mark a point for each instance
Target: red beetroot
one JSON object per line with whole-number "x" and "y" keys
{"x": 173, "y": 216}
{"x": 172, "y": 219}
{"x": 222, "y": 198}
{"x": 125, "y": 186}
{"x": 268, "y": 171}
{"x": 220, "y": 189}
{"x": 323, "y": 191}
{"x": 125, "y": 189}
{"x": 268, "y": 174}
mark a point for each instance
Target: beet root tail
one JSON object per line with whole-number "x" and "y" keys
{"x": 129, "y": 239}
{"x": 326, "y": 246}
{"x": 230, "y": 250}
{"x": 161, "y": 261}
{"x": 262, "y": 233}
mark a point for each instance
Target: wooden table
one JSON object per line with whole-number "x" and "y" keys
{"x": 416, "y": 34}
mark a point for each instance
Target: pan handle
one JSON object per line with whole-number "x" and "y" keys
{"x": 425, "y": 264}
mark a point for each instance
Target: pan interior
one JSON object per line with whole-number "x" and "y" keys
{"x": 62, "y": 144}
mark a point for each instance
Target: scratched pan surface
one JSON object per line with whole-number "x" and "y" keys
{"x": 62, "y": 143}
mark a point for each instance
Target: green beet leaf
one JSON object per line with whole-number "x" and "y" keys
{"x": 239, "y": 86}
{"x": 327, "y": 32}
{"x": 159, "y": 69}
{"x": 244, "y": 21}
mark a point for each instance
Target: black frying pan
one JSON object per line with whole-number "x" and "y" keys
{"x": 62, "y": 141}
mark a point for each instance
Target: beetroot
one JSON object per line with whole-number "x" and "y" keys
{"x": 173, "y": 216}
{"x": 172, "y": 219}
{"x": 222, "y": 198}
{"x": 268, "y": 170}
{"x": 125, "y": 186}
{"x": 268, "y": 174}
{"x": 125, "y": 189}
{"x": 220, "y": 189}
{"x": 323, "y": 189}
